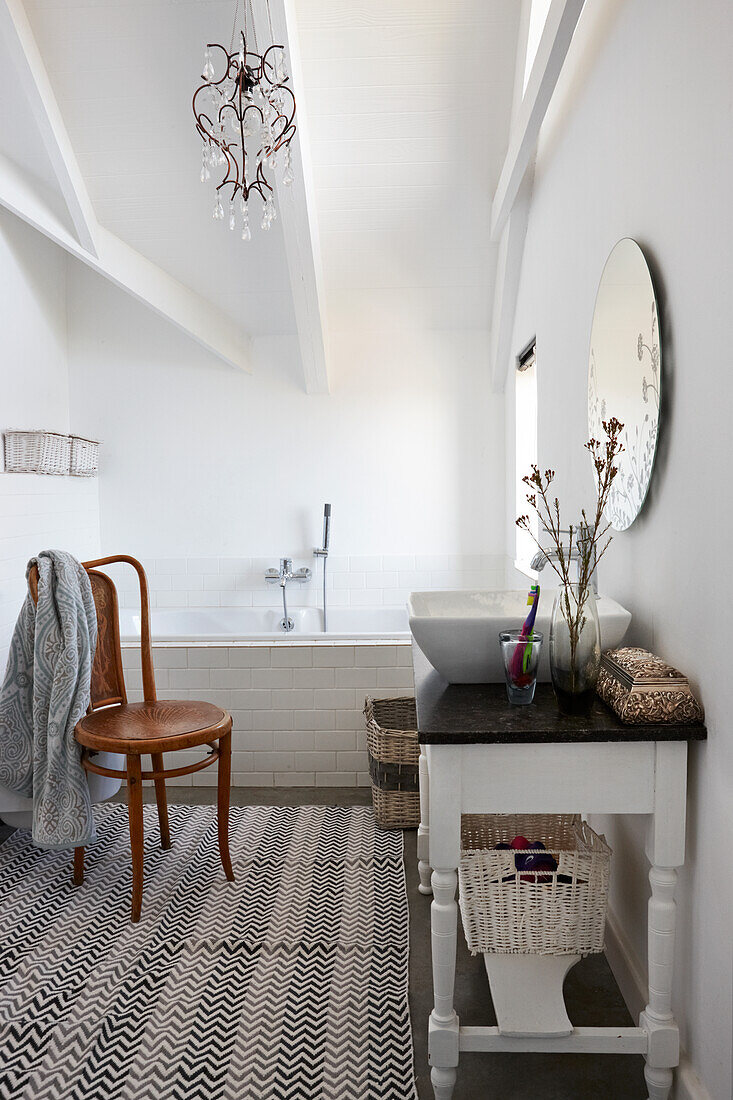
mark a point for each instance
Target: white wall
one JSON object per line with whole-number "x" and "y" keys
{"x": 36, "y": 512}
{"x": 199, "y": 459}
{"x": 637, "y": 143}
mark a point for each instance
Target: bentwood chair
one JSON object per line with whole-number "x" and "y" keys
{"x": 153, "y": 727}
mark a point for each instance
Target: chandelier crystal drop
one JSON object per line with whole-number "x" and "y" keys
{"x": 245, "y": 116}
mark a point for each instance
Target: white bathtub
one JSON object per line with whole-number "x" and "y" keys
{"x": 247, "y": 624}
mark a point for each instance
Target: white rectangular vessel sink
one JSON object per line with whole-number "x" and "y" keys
{"x": 459, "y": 631}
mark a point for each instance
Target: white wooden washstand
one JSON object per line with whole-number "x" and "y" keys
{"x": 481, "y": 756}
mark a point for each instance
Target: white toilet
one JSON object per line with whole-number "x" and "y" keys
{"x": 18, "y": 812}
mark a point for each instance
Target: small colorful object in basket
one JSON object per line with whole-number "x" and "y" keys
{"x": 521, "y": 660}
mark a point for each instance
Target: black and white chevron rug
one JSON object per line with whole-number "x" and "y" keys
{"x": 288, "y": 984}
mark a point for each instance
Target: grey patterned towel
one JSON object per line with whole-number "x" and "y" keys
{"x": 44, "y": 694}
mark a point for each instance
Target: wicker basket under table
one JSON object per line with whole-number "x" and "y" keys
{"x": 550, "y": 913}
{"x": 394, "y": 753}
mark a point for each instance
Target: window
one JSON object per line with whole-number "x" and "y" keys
{"x": 525, "y": 436}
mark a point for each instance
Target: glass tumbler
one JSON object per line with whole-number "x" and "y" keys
{"x": 521, "y": 659}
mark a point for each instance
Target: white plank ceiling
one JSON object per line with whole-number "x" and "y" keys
{"x": 409, "y": 107}
{"x": 409, "y": 104}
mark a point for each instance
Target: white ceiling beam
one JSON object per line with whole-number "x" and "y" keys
{"x": 297, "y": 208}
{"x": 506, "y": 287}
{"x": 33, "y": 78}
{"x": 561, "y": 22}
{"x": 127, "y": 269}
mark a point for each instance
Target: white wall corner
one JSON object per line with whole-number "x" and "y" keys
{"x": 629, "y": 973}
{"x": 506, "y": 287}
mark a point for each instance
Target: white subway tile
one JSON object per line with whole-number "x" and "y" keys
{"x": 292, "y": 656}
{"x": 398, "y": 561}
{"x": 314, "y": 719}
{"x": 349, "y": 580}
{"x": 370, "y": 656}
{"x": 272, "y": 719}
{"x": 352, "y": 719}
{"x": 236, "y": 678}
{"x": 202, "y": 565}
{"x": 413, "y": 579}
{"x": 356, "y": 677}
{"x": 159, "y": 583}
{"x": 272, "y": 677}
{"x": 371, "y": 597}
{"x": 369, "y": 564}
{"x": 251, "y": 700}
{"x": 351, "y": 761}
{"x": 253, "y": 779}
{"x": 403, "y": 654}
{"x": 183, "y": 582}
{"x": 170, "y": 565}
{"x": 203, "y": 599}
{"x": 236, "y": 599}
{"x": 191, "y": 678}
{"x": 165, "y": 657}
{"x": 242, "y": 719}
{"x": 382, "y": 580}
{"x": 236, "y": 566}
{"x": 295, "y": 779}
{"x": 242, "y": 761}
{"x": 334, "y": 698}
{"x": 295, "y": 699}
{"x": 217, "y": 583}
{"x": 314, "y": 677}
{"x": 249, "y": 656}
{"x": 170, "y": 599}
{"x": 274, "y": 761}
{"x": 363, "y": 779}
{"x": 316, "y": 761}
{"x": 399, "y": 677}
{"x": 255, "y": 740}
{"x": 335, "y": 740}
{"x": 335, "y": 779}
{"x": 297, "y": 740}
{"x": 204, "y": 656}
{"x": 333, "y": 656}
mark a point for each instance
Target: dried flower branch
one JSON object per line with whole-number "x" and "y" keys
{"x": 589, "y": 539}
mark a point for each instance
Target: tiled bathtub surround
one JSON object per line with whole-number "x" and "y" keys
{"x": 297, "y": 709}
{"x": 356, "y": 581}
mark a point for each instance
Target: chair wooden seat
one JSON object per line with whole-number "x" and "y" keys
{"x": 163, "y": 726}
{"x": 155, "y": 726}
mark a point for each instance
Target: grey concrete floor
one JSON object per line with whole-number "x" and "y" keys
{"x": 591, "y": 994}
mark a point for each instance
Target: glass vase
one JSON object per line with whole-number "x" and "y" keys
{"x": 575, "y": 648}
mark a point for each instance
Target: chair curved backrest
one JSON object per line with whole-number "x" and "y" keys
{"x": 108, "y": 678}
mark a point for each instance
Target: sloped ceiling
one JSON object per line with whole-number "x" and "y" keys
{"x": 408, "y": 105}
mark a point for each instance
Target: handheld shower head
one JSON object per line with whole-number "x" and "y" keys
{"x": 326, "y": 525}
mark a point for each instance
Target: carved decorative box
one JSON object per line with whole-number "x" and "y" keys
{"x": 641, "y": 688}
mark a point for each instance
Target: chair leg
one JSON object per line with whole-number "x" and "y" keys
{"x": 222, "y": 802}
{"x": 135, "y": 813}
{"x": 78, "y": 866}
{"x": 165, "y": 833}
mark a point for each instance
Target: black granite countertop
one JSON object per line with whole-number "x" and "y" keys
{"x": 480, "y": 714}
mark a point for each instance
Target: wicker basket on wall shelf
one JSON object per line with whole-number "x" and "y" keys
{"x": 54, "y": 453}
{"x": 394, "y": 753}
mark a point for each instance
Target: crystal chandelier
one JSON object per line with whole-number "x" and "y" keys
{"x": 245, "y": 114}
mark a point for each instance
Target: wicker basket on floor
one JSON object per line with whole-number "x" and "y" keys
{"x": 506, "y": 911}
{"x": 394, "y": 753}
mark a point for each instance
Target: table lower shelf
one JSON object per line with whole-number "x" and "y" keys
{"x": 583, "y": 1040}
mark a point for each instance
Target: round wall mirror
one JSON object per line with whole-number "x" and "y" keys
{"x": 624, "y": 374}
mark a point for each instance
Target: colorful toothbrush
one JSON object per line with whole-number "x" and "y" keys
{"x": 523, "y": 654}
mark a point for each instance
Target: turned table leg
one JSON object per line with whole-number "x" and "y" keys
{"x": 222, "y": 802}
{"x": 423, "y": 829}
{"x": 443, "y": 1025}
{"x": 657, "y": 1018}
